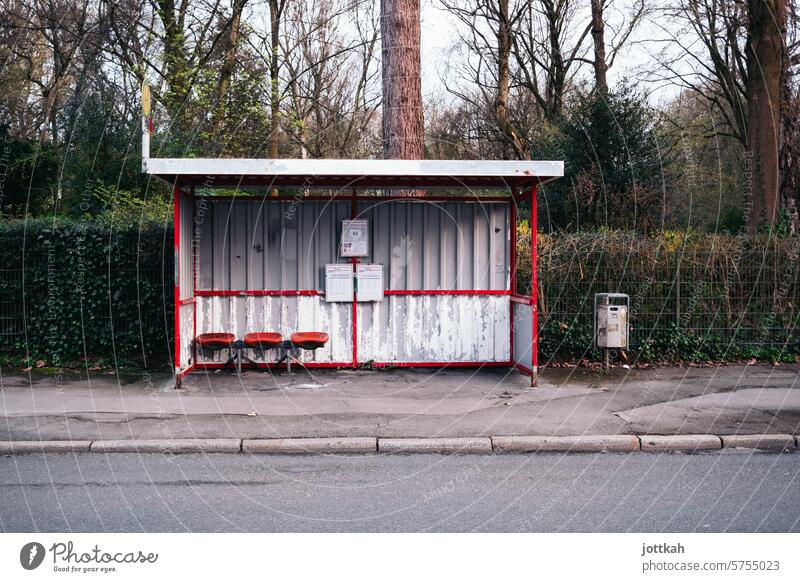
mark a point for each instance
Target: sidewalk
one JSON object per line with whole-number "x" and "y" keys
{"x": 404, "y": 403}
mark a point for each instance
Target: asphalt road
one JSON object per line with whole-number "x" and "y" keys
{"x": 720, "y": 491}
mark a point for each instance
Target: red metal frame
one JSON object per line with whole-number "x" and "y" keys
{"x": 176, "y": 193}
{"x": 345, "y": 197}
{"x": 354, "y": 262}
{"x": 355, "y": 199}
{"x": 274, "y": 365}
{"x": 258, "y": 293}
{"x": 512, "y": 283}
{"x": 446, "y": 292}
{"x": 534, "y": 291}
{"x": 194, "y": 275}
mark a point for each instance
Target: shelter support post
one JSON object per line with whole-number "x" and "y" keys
{"x": 176, "y": 205}
{"x": 534, "y": 292}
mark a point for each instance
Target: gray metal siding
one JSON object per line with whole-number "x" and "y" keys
{"x": 440, "y": 245}
{"x": 435, "y": 328}
{"x": 186, "y": 317}
{"x": 523, "y": 334}
{"x": 286, "y": 315}
{"x": 250, "y": 244}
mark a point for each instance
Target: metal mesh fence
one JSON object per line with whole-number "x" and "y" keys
{"x": 708, "y": 297}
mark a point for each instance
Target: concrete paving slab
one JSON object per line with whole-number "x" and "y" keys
{"x": 168, "y": 446}
{"x": 406, "y": 403}
{"x": 759, "y": 441}
{"x": 311, "y": 445}
{"x": 574, "y": 444}
{"x": 435, "y": 445}
{"x": 25, "y": 447}
{"x": 682, "y": 442}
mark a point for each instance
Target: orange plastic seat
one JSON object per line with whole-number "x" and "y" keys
{"x": 215, "y": 341}
{"x": 266, "y": 340}
{"x": 309, "y": 340}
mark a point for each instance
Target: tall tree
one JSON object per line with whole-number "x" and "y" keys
{"x": 403, "y": 127}
{"x": 765, "y": 54}
{"x": 598, "y": 39}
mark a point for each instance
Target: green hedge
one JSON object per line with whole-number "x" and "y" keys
{"x": 73, "y": 291}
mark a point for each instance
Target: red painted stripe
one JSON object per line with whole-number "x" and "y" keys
{"x": 349, "y": 197}
{"x": 520, "y": 299}
{"x": 512, "y": 284}
{"x": 268, "y": 365}
{"x": 176, "y": 193}
{"x": 187, "y": 301}
{"x": 259, "y": 293}
{"x": 524, "y": 369}
{"x": 271, "y": 365}
{"x": 441, "y": 364}
{"x": 447, "y": 292}
{"x": 194, "y": 277}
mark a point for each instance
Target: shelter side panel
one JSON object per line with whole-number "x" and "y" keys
{"x": 285, "y": 315}
{"x": 186, "y": 317}
{"x": 523, "y": 334}
{"x": 185, "y": 228}
{"x": 435, "y": 328}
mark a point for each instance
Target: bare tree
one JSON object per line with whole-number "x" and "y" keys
{"x": 604, "y": 59}
{"x": 765, "y": 55}
{"x": 332, "y": 86}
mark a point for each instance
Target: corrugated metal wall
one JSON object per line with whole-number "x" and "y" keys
{"x": 183, "y": 264}
{"x": 435, "y": 328}
{"x": 186, "y": 235}
{"x": 253, "y": 244}
{"x": 246, "y": 244}
{"x": 284, "y": 245}
{"x": 523, "y": 334}
{"x": 440, "y": 245}
{"x": 285, "y": 315}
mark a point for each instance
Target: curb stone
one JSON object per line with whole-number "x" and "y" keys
{"x": 24, "y": 447}
{"x": 573, "y": 444}
{"x": 481, "y": 445}
{"x": 441, "y": 445}
{"x": 168, "y": 446}
{"x": 759, "y": 441}
{"x": 311, "y": 445}
{"x": 680, "y": 442}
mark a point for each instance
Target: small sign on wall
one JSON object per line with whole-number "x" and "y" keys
{"x": 369, "y": 282}
{"x": 355, "y": 238}
{"x": 338, "y": 283}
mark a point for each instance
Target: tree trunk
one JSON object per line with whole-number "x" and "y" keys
{"x": 177, "y": 70}
{"x": 765, "y": 67}
{"x": 275, "y": 9}
{"x": 228, "y": 64}
{"x": 402, "y": 90}
{"x": 598, "y": 36}
{"x": 507, "y": 130}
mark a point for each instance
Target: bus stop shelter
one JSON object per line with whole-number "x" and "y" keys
{"x": 401, "y": 262}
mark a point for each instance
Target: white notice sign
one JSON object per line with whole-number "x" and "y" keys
{"x": 338, "y": 283}
{"x": 369, "y": 281}
{"x": 355, "y": 238}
